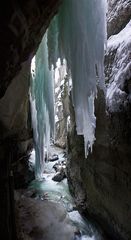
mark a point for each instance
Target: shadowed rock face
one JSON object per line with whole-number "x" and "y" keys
{"x": 23, "y": 24}
{"x": 119, "y": 14}
{"x": 14, "y": 105}
{"x": 102, "y": 182}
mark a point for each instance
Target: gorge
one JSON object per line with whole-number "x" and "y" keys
{"x": 98, "y": 172}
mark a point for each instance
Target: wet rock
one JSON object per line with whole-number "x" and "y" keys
{"x": 60, "y": 168}
{"x": 23, "y": 174}
{"x": 77, "y": 235}
{"x": 34, "y": 194}
{"x": 59, "y": 176}
{"x": 42, "y": 220}
{"x": 53, "y": 158}
{"x": 60, "y": 143}
{"x": 65, "y": 154}
{"x": 59, "y": 165}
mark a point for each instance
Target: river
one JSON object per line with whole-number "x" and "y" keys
{"x": 59, "y": 192}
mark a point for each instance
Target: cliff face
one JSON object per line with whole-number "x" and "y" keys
{"x": 118, "y": 15}
{"x": 23, "y": 24}
{"x": 61, "y": 109}
{"x": 101, "y": 183}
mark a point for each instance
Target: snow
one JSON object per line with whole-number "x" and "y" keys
{"x": 121, "y": 71}
{"x": 120, "y": 38}
{"x": 56, "y": 89}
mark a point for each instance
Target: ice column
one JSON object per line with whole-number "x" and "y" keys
{"x": 78, "y": 34}
{"x": 42, "y": 105}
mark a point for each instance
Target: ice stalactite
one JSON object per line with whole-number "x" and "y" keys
{"x": 42, "y": 105}
{"x": 78, "y": 34}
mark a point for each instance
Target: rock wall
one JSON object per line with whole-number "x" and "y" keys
{"x": 101, "y": 183}
{"x": 15, "y": 139}
{"x": 119, "y": 14}
{"x": 23, "y": 24}
{"x": 15, "y": 121}
{"x": 61, "y": 107}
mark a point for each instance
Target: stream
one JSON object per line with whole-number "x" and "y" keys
{"x": 59, "y": 192}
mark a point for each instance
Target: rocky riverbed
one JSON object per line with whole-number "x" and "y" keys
{"x": 47, "y": 211}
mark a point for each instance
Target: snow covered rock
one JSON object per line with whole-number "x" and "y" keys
{"x": 119, "y": 14}
{"x": 101, "y": 183}
{"x": 118, "y": 69}
{"x": 59, "y": 176}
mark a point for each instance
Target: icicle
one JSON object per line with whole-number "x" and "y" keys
{"x": 80, "y": 33}
{"x": 42, "y": 105}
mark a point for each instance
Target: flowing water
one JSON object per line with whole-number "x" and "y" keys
{"x": 59, "y": 192}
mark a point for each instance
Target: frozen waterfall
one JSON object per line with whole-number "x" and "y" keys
{"x": 78, "y": 34}
{"x": 42, "y": 104}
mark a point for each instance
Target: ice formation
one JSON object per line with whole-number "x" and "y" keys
{"x": 42, "y": 104}
{"x": 79, "y": 36}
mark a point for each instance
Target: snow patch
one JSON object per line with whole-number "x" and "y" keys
{"x": 121, "y": 71}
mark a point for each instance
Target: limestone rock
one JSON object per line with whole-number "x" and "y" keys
{"x": 53, "y": 158}
{"x": 21, "y": 33}
{"x": 59, "y": 175}
{"x": 101, "y": 183}
{"x": 23, "y": 24}
{"x": 61, "y": 108}
{"x": 42, "y": 220}
{"x": 119, "y": 14}
{"x": 14, "y": 106}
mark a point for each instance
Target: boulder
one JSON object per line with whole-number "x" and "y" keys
{"x": 40, "y": 220}
{"x": 59, "y": 176}
{"x": 53, "y": 158}
{"x": 59, "y": 165}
